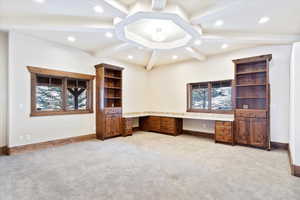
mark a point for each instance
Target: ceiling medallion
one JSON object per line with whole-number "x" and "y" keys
{"x": 155, "y": 30}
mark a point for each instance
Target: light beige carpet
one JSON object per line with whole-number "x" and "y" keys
{"x": 148, "y": 166}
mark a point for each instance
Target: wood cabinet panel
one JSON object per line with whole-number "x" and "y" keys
{"x": 258, "y": 132}
{"x": 224, "y": 132}
{"x": 127, "y": 126}
{"x": 154, "y": 123}
{"x": 242, "y": 133}
{"x": 113, "y": 126}
{"x": 166, "y": 125}
{"x": 251, "y": 113}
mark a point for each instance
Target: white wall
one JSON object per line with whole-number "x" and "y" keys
{"x": 294, "y": 139}
{"x": 163, "y": 89}
{"x": 3, "y": 86}
{"x": 168, "y": 86}
{"x": 29, "y": 51}
{"x": 135, "y": 86}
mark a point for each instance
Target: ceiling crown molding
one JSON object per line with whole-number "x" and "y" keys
{"x": 159, "y": 4}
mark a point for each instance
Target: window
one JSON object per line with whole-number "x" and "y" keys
{"x": 215, "y": 97}
{"x": 200, "y": 96}
{"x": 56, "y": 92}
{"x": 48, "y": 93}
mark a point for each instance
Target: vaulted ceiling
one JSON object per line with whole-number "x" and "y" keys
{"x": 151, "y": 33}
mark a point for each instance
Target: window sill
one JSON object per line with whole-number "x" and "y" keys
{"x": 50, "y": 113}
{"x": 211, "y": 111}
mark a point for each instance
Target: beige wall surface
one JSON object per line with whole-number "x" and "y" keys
{"x": 167, "y": 86}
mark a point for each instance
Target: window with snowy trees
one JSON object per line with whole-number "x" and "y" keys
{"x": 210, "y": 97}
{"x": 56, "y": 92}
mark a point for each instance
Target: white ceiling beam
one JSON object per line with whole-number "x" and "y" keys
{"x": 110, "y": 51}
{"x": 215, "y": 11}
{"x": 115, "y": 7}
{"x": 74, "y": 24}
{"x": 246, "y": 38}
{"x": 152, "y": 60}
{"x": 195, "y": 54}
{"x": 159, "y": 4}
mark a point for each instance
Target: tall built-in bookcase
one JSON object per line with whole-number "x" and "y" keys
{"x": 252, "y": 101}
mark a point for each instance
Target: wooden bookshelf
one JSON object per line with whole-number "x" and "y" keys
{"x": 108, "y": 101}
{"x": 252, "y": 101}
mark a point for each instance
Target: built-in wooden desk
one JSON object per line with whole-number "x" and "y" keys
{"x": 201, "y": 116}
{"x": 171, "y": 123}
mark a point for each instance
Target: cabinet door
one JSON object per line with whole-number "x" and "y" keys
{"x": 242, "y": 131}
{"x": 168, "y": 125}
{"x": 144, "y": 123}
{"x": 116, "y": 125}
{"x": 258, "y": 132}
{"x": 154, "y": 123}
{"x": 108, "y": 126}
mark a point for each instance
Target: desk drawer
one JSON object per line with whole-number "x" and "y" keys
{"x": 222, "y": 123}
{"x": 224, "y": 132}
{"x": 251, "y": 113}
{"x": 112, "y": 110}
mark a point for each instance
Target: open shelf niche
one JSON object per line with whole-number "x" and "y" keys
{"x": 252, "y": 85}
{"x": 112, "y": 88}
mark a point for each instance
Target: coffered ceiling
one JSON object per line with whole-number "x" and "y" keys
{"x": 151, "y": 33}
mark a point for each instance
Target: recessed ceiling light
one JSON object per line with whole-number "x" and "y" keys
{"x": 174, "y": 57}
{"x": 130, "y": 57}
{"x": 98, "y": 9}
{"x": 224, "y": 46}
{"x": 109, "y": 34}
{"x": 39, "y": 1}
{"x": 71, "y": 39}
{"x": 219, "y": 23}
{"x": 264, "y": 20}
{"x": 198, "y": 42}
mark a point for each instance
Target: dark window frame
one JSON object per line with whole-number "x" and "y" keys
{"x": 36, "y": 71}
{"x": 209, "y": 110}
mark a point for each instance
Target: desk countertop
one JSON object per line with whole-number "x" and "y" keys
{"x": 200, "y": 116}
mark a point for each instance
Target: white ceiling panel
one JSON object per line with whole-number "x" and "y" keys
{"x": 56, "y": 20}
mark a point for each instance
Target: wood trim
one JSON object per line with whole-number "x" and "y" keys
{"x": 279, "y": 145}
{"x": 34, "y": 71}
{"x": 64, "y": 93}
{"x": 295, "y": 170}
{"x": 49, "y": 144}
{"x": 59, "y": 73}
{"x": 109, "y": 66}
{"x": 209, "y": 110}
{"x": 50, "y": 113}
{"x": 3, "y": 150}
{"x": 217, "y": 81}
{"x": 197, "y": 133}
{"x": 253, "y": 59}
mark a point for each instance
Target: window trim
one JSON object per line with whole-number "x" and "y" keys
{"x": 35, "y": 71}
{"x": 209, "y": 110}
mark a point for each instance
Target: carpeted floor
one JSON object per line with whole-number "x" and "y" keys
{"x": 148, "y": 166}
